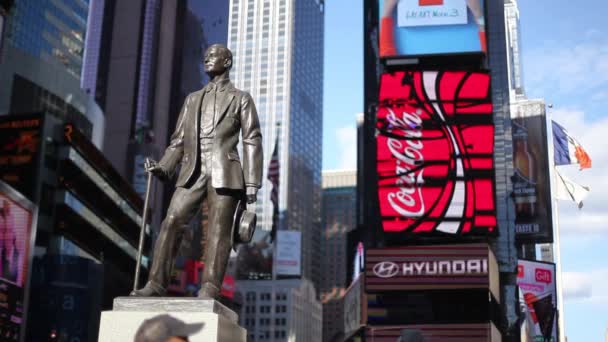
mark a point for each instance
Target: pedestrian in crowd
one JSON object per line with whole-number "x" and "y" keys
{"x": 165, "y": 328}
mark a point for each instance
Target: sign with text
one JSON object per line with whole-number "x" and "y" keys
{"x": 431, "y": 27}
{"x": 538, "y": 300}
{"x": 435, "y": 163}
{"x": 431, "y": 12}
{"x": 288, "y": 257}
{"x": 436, "y": 267}
{"x": 531, "y": 186}
{"x": 20, "y": 139}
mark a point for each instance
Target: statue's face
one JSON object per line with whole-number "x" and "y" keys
{"x": 216, "y": 61}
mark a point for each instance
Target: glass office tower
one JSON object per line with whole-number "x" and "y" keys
{"x": 42, "y": 60}
{"x": 278, "y": 52}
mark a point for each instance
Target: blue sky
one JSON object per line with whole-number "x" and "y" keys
{"x": 565, "y": 61}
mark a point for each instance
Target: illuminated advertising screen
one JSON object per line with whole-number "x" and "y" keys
{"x": 20, "y": 138}
{"x": 531, "y": 185}
{"x": 538, "y": 300}
{"x": 431, "y": 27}
{"x": 435, "y": 143}
{"x": 436, "y": 267}
{"x": 17, "y": 221}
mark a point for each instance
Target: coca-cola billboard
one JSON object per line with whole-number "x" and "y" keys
{"x": 435, "y": 142}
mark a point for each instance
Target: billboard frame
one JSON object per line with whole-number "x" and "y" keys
{"x": 547, "y": 235}
{"x": 558, "y": 328}
{"x": 405, "y": 237}
{"x": 20, "y": 199}
{"x": 479, "y": 56}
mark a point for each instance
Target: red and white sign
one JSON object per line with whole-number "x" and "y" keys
{"x": 470, "y": 266}
{"x": 435, "y": 148}
{"x": 538, "y": 302}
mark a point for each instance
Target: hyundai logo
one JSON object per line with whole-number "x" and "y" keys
{"x": 386, "y": 269}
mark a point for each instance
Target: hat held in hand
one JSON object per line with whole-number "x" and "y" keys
{"x": 243, "y": 225}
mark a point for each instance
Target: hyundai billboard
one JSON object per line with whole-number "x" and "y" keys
{"x": 436, "y": 267}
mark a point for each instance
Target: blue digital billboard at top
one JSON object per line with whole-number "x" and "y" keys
{"x": 431, "y": 27}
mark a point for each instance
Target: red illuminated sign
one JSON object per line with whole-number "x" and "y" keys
{"x": 543, "y": 276}
{"x": 435, "y": 147}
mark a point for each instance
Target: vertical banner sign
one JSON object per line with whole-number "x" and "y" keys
{"x": 17, "y": 220}
{"x": 435, "y": 147}
{"x": 538, "y": 302}
{"x": 531, "y": 187}
{"x": 288, "y": 253}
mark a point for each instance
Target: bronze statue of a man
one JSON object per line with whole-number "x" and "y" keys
{"x": 205, "y": 145}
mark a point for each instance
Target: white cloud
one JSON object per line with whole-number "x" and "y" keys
{"x": 591, "y": 286}
{"x": 563, "y": 67}
{"x": 347, "y": 140}
{"x": 577, "y": 285}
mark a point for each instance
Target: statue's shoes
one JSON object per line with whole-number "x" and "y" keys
{"x": 150, "y": 290}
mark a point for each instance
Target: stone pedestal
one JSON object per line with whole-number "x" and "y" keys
{"x": 221, "y": 323}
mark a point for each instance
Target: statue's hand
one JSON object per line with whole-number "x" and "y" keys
{"x": 154, "y": 168}
{"x": 252, "y": 194}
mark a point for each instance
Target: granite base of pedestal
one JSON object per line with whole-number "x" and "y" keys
{"x": 221, "y": 323}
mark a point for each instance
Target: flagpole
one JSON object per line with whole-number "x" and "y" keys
{"x": 275, "y": 242}
{"x": 556, "y": 231}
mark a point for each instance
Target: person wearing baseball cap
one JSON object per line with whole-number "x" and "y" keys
{"x": 164, "y": 328}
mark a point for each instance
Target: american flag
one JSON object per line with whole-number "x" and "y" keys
{"x": 273, "y": 177}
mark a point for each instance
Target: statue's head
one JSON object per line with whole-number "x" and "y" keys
{"x": 218, "y": 59}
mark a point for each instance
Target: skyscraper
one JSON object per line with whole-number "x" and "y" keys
{"x": 41, "y": 63}
{"x": 338, "y": 218}
{"x": 514, "y": 63}
{"x": 282, "y": 310}
{"x": 278, "y": 50}
{"x": 153, "y": 61}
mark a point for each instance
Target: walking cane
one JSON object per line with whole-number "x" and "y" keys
{"x": 144, "y": 219}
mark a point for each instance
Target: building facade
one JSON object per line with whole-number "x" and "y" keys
{"x": 278, "y": 52}
{"x": 514, "y": 53}
{"x": 41, "y": 63}
{"x": 282, "y": 310}
{"x": 154, "y": 51}
{"x": 338, "y": 219}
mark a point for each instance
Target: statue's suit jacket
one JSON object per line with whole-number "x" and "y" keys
{"x": 236, "y": 111}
